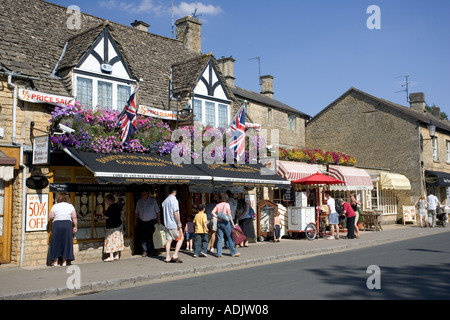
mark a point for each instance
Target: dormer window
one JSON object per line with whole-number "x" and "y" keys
{"x": 102, "y": 78}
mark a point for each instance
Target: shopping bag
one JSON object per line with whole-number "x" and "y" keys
{"x": 238, "y": 235}
{"x": 159, "y": 237}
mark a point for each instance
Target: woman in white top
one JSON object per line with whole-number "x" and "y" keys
{"x": 64, "y": 226}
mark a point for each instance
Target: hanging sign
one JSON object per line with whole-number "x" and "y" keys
{"x": 37, "y": 212}
{"x": 157, "y": 113}
{"x": 40, "y": 97}
{"x": 41, "y": 150}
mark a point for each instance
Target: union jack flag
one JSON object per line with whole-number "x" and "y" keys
{"x": 238, "y": 132}
{"x": 128, "y": 118}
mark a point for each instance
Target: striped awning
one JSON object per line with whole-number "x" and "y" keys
{"x": 355, "y": 178}
{"x": 292, "y": 171}
{"x": 394, "y": 181}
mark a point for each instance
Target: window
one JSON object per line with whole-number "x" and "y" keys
{"x": 104, "y": 94}
{"x": 91, "y": 92}
{"x": 84, "y": 91}
{"x": 447, "y": 151}
{"x": 89, "y": 206}
{"x": 223, "y": 116}
{"x": 211, "y": 113}
{"x": 269, "y": 117}
{"x": 435, "y": 144}
{"x": 123, "y": 94}
{"x": 291, "y": 120}
{"x": 198, "y": 114}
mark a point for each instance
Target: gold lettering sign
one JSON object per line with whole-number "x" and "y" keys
{"x": 137, "y": 160}
{"x": 240, "y": 168}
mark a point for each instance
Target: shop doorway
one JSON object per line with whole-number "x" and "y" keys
{"x": 160, "y": 193}
{"x": 5, "y": 221}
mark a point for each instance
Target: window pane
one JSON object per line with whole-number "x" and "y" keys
{"x": 197, "y": 109}
{"x": 84, "y": 91}
{"x": 223, "y": 116}
{"x": 210, "y": 114}
{"x": 104, "y": 94}
{"x": 123, "y": 94}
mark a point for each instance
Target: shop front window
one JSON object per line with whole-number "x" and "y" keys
{"x": 89, "y": 206}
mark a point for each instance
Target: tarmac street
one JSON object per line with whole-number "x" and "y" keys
{"x": 57, "y": 282}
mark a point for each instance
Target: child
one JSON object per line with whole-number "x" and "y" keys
{"x": 201, "y": 232}
{"x": 277, "y": 224}
{"x": 189, "y": 231}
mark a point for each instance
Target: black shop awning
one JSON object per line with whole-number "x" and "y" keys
{"x": 437, "y": 178}
{"x": 250, "y": 175}
{"x": 130, "y": 168}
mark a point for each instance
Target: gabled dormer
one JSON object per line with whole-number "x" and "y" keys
{"x": 101, "y": 77}
{"x": 209, "y": 95}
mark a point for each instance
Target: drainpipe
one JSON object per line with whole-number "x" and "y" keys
{"x": 24, "y": 209}
{"x": 14, "y": 108}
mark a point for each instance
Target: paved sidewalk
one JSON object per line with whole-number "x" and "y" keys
{"x": 51, "y": 282}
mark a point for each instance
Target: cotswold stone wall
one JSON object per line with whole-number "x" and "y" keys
{"x": 375, "y": 134}
{"x": 35, "y": 243}
{"x": 280, "y": 121}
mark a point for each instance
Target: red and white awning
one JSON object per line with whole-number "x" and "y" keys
{"x": 355, "y": 178}
{"x": 292, "y": 171}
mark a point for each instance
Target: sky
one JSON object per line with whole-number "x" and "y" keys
{"x": 316, "y": 50}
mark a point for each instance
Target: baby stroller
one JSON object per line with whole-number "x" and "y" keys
{"x": 441, "y": 217}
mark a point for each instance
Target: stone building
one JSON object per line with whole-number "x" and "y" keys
{"x": 266, "y": 111}
{"x": 390, "y": 139}
{"x": 59, "y": 56}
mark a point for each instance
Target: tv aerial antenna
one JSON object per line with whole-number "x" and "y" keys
{"x": 405, "y": 85}
{"x": 259, "y": 66}
{"x": 195, "y": 15}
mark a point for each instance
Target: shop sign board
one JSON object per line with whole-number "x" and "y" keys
{"x": 409, "y": 214}
{"x": 40, "y": 97}
{"x": 37, "y": 212}
{"x": 157, "y": 113}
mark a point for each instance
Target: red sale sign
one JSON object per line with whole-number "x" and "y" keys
{"x": 37, "y": 212}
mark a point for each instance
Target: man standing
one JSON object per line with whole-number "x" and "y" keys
{"x": 433, "y": 203}
{"x": 172, "y": 222}
{"x": 333, "y": 217}
{"x": 147, "y": 214}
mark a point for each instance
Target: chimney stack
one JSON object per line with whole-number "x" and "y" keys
{"x": 417, "y": 101}
{"x": 267, "y": 86}
{"x": 226, "y": 65}
{"x": 189, "y": 30}
{"x": 140, "y": 25}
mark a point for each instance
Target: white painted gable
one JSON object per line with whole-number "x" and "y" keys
{"x": 210, "y": 85}
{"x": 97, "y": 55}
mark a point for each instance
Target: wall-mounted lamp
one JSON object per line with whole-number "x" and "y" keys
{"x": 432, "y": 130}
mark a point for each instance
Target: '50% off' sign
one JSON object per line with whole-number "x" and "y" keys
{"x": 37, "y": 212}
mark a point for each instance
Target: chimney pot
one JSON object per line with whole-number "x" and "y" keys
{"x": 140, "y": 25}
{"x": 417, "y": 101}
{"x": 189, "y": 30}
{"x": 226, "y": 65}
{"x": 267, "y": 85}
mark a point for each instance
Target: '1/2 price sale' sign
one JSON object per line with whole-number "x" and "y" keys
{"x": 37, "y": 212}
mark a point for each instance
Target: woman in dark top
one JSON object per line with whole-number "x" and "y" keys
{"x": 114, "y": 231}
